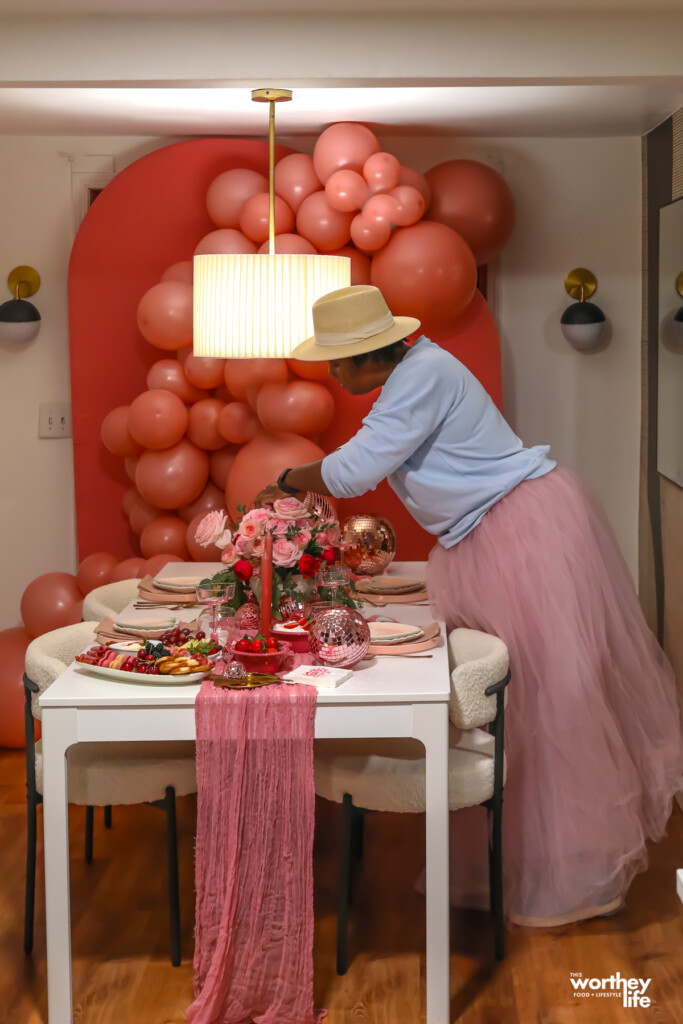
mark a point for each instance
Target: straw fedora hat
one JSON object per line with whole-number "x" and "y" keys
{"x": 350, "y": 322}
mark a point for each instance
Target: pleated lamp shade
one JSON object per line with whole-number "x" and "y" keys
{"x": 248, "y": 307}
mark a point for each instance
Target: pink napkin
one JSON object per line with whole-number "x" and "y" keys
{"x": 253, "y": 961}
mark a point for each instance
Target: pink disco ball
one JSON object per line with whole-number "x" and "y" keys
{"x": 368, "y": 544}
{"x": 339, "y": 637}
{"x": 248, "y": 617}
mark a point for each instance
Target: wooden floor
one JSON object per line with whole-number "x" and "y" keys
{"x": 122, "y": 974}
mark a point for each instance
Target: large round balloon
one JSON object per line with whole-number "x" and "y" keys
{"x": 173, "y": 477}
{"x": 237, "y": 423}
{"x": 170, "y": 375}
{"x": 220, "y": 464}
{"x": 51, "y": 601}
{"x": 182, "y": 271}
{"x": 197, "y": 552}
{"x": 204, "y": 372}
{"x": 255, "y": 217}
{"x": 202, "y": 426}
{"x": 116, "y": 435}
{"x": 242, "y": 374}
{"x": 346, "y": 191}
{"x": 226, "y": 241}
{"x": 13, "y": 644}
{"x": 129, "y": 569}
{"x": 229, "y": 191}
{"x": 165, "y": 315}
{"x": 301, "y": 407}
{"x": 309, "y": 370}
{"x": 261, "y": 461}
{"x": 94, "y": 571}
{"x": 211, "y": 498}
{"x": 141, "y": 514}
{"x": 157, "y": 562}
{"x": 157, "y": 418}
{"x": 295, "y": 178}
{"x": 475, "y": 201}
{"x": 323, "y": 226}
{"x": 360, "y": 264}
{"x": 343, "y": 145}
{"x": 165, "y": 535}
{"x": 290, "y": 243}
{"x": 426, "y": 271}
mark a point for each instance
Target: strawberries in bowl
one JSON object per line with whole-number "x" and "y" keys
{"x": 260, "y": 653}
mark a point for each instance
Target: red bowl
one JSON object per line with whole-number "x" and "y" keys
{"x": 297, "y": 641}
{"x": 269, "y": 663}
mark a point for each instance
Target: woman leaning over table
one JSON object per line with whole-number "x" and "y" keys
{"x": 524, "y": 552}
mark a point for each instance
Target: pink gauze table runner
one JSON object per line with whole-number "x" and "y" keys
{"x": 253, "y": 961}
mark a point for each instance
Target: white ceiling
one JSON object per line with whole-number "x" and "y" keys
{"x": 143, "y": 7}
{"x": 542, "y": 110}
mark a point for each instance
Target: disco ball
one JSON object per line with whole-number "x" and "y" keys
{"x": 248, "y": 617}
{"x": 368, "y": 544}
{"x": 339, "y": 637}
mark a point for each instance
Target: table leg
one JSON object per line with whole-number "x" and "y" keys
{"x": 430, "y": 726}
{"x": 59, "y": 733}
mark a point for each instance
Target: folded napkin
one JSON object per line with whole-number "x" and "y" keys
{"x": 379, "y": 600}
{"x": 148, "y": 591}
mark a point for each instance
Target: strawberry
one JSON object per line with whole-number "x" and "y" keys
{"x": 243, "y": 645}
{"x": 256, "y": 646}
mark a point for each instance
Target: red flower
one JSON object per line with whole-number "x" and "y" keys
{"x": 308, "y": 565}
{"x": 328, "y": 555}
{"x": 243, "y": 570}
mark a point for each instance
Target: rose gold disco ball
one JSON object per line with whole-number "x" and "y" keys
{"x": 368, "y": 544}
{"x": 339, "y": 637}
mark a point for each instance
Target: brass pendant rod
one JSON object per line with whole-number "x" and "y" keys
{"x": 271, "y": 179}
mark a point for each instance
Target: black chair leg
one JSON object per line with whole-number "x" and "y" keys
{"x": 30, "y": 899}
{"x": 89, "y": 827}
{"x": 107, "y": 816}
{"x": 173, "y": 884}
{"x": 344, "y": 895}
{"x": 496, "y": 876}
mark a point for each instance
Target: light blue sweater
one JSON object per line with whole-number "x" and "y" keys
{"x": 438, "y": 438}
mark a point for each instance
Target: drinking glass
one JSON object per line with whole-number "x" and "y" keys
{"x": 333, "y": 578}
{"x": 213, "y": 595}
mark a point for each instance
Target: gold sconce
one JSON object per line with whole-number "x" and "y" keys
{"x": 19, "y": 319}
{"x": 583, "y": 322}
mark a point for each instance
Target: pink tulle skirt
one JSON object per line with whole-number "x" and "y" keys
{"x": 592, "y": 731}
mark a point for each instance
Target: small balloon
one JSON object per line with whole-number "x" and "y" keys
{"x": 165, "y": 315}
{"x": 381, "y": 171}
{"x": 229, "y": 191}
{"x": 157, "y": 418}
{"x": 165, "y": 535}
{"x": 237, "y": 423}
{"x": 410, "y": 205}
{"x": 169, "y": 375}
{"x": 211, "y": 498}
{"x": 290, "y": 243}
{"x": 295, "y": 179}
{"x": 346, "y": 191}
{"x": 220, "y": 463}
{"x": 323, "y": 226}
{"x": 301, "y": 407}
{"x": 309, "y": 370}
{"x": 129, "y": 569}
{"x": 202, "y": 425}
{"x": 51, "y": 601}
{"x": 115, "y": 434}
{"x": 173, "y": 477}
{"x": 409, "y": 176}
{"x": 343, "y": 145}
{"x": 241, "y": 374}
{"x": 13, "y": 644}
{"x": 369, "y": 234}
{"x": 142, "y": 514}
{"x": 156, "y": 563}
{"x": 179, "y": 272}
{"x": 360, "y": 265}
{"x": 204, "y": 372}
{"x": 225, "y": 241}
{"x": 255, "y": 217}
{"x": 383, "y": 208}
{"x": 130, "y": 465}
{"x": 94, "y": 571}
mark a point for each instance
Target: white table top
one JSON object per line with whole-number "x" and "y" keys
{"x": 384, "y": 679}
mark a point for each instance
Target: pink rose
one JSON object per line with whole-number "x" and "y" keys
{"x": 251, "y": 529}
{"x": 258, "y": 547}
{"x": 230, "y": 555}
{"x": 280, "y": 526}
{"x": 210, "y": 528}
{"x": 224, "y": 540}
{"x": 302, "y": 537}
{"x": 256, "y": 515}
{"x": 244, "y": 547}
{"x": 332, "y": 535}
{"x": 290, "y": 508}
{"x": 285, "y": 553}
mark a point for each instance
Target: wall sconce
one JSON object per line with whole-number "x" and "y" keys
{"x": 583, "y": 322}
{"x": 678, "y": 315}
{"x": 19, "y": 319}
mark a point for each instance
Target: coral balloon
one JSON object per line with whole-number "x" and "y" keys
{"x": 51, "y": 601}
{"x": 170, "y": 375}
{"x": 202, "y": 425}
{"x": 261, "y": 461}
{"x": 301, "y": 407}
{"x": 382, "y": 172}
{"x": 228, "y": 192}
{"x": 426, "y": 271}
{"x": 129, "y": 569}
{"x": 346, "y": 191}
{"x": 157, "y": 418}
{"x": 165, "y": 535}
{"x": 343, "y": 145}
{"x": 241, "y": 374}
{"x": 309, "y": 371}
{"x": 156, "y": 563}
{"x": 182, "y": 271}
{"x": 173, "y": 477}
{"x": 255, "y": 217}
{"x": 94, "y": 571}
{"x": 211, "y": 498}
{"x": 410, "y": 205}
{"x": 323, "y": 226}
{"x": 131, "y": 465}
{"x": 290, "y": 243}
{"x": 295, "y": 179}
{"x": 222, "y": 393}
{"x": 475, "y": 201}
{"x": 182, "y": 354}
{"x": 142, "y": 514}
{"x": 165, "y": 315}
{"x": 197, "y": 552}
{"x": 225, "y": 241}
{"x": 204, "y": 372}
{"x": 369, "y": 234}
{"x": 382, "y": 207}
{"x": 220, "y": 463}
{"x": 360, "y": 264}
{"x": 115, "y": 434}
{"x": 128, "y": 500}
{"x": 237, "y": 423}
{"x": 13, "y": 644}
{"x": 409, "y": 176}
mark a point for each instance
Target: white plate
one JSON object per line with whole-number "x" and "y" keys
{"x": 138, "y": 678}
{"x": 182, "y": 583}
{"x": 391, "y": 632}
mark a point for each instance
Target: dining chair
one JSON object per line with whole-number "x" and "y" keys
{"x": 100, "y": 774}
{"x": 107, "y": 601}
{"x": 389, "y": 774}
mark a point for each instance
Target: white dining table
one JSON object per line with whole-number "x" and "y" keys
{"x": 386, "y": 697}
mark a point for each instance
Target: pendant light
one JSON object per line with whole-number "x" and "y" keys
{"x": 256, "y": 306}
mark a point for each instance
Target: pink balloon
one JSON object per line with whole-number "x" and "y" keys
{"x": 142, "y": 514}
{"x": 369, "y": 234}
{"x": 360, "y": 266}
{"x": 169, "y": 375}
{"x": 229, "y": 191}
{"x": 179, "y": 272}
{"x": 94, "y": 571}
{"x": 222, "y": 393}
{"x": 220, "y": 463}
{"x": 410, "y": 207}
{"x": 165, "y": 535}
{"x": 174, "y": 477}
{"x": 295, "y": 178}
{"x": 343, "y": 145}
{"x": 131, "y": 465}
{"x": 255, "y": 217}
{"x": 129, "y": 569}
{"x": 409, "y": 176}
{"x": 290, "y": 243}
{"x": 301, "y": 407}
{"x": 346, "y": 191}
{"x": 115, "y": 434}
{"x": 13, "y": 644}
{"x": 202, "y": 426}
{"x": 156, "y": 563}
{"x": 182, "y": 354}
{"x": 198, "y": 553}
{"x": 51, "y": 601}
{"x": 381, "y": 171}
{"x": 324, "y": 227}
{"x": 474, "y": 200}
{"x": 261, "y": 461}
{"x": 382, "y": 207}
{"x": 237, "y": 423}
{"x": 203, "y": 372}
{"x": 211, "y": 498}
{"x": 309, "y": 371}
{"x": 225, "y": 241}
{"x": 241, "y": 374}
{"x": 128, "y": 500}
{"x": 165, "y": 315}
{"x": 157, "y": 419}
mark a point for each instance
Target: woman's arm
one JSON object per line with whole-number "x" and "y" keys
{"x": 305, "y": 478}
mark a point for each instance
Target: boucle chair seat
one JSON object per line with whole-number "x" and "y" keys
{"x": 107, "y": 601}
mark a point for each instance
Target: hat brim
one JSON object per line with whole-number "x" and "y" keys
{"x": 310, "y": 351}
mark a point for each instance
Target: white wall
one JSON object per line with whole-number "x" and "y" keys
{"x": 578, "y": 203}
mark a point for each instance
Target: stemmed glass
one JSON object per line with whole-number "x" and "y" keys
{"x": 333, "y": 578}
{"x": 214, "y": 595}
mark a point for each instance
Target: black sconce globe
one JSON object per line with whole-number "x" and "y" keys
{"x": 582, "y": 325}
{"x": 19, "y": 322}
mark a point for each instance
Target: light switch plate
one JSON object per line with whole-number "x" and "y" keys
{"x": 54, "y": 420}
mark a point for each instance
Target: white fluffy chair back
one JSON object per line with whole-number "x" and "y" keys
{"x": 109, "y": 600}
{"x": 477, "y": 660}
{"x": 49, "y": 654}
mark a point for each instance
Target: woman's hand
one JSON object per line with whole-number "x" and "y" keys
{"x": 269, "y": 495}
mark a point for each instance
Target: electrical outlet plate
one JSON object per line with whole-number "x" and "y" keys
{"x": 54, "y": 420}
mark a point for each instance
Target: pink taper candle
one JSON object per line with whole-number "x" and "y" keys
{"x": 267, "y": 585}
